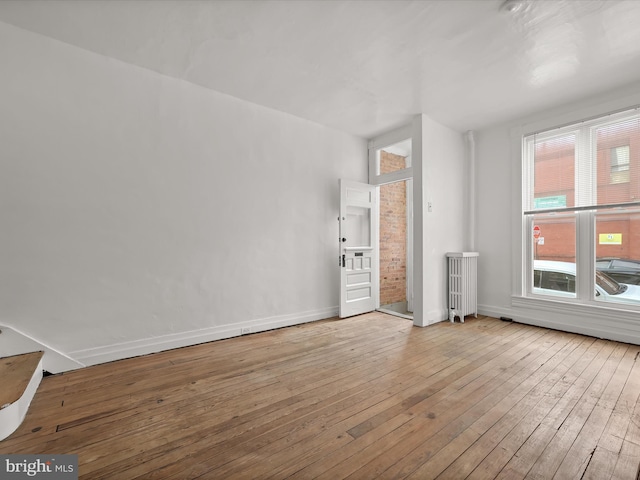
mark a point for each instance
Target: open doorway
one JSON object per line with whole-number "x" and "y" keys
{"x": 396, "y": 234}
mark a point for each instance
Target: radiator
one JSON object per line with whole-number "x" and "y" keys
{"x": 463, "y": 284}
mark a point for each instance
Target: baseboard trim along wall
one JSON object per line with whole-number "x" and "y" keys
{"x": 15, "y": 342}
{"x": 109, "y": 353}
{"x": 431, "y": 317}
{"x": 493, "y": 311}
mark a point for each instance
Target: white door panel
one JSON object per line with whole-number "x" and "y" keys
{"x": 358, "y": 261}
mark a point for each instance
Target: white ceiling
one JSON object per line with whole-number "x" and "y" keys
{"x": 364, "y": 66}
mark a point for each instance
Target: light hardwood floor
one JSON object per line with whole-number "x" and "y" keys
{"x": 15, "y": 373}
{"x": 361, "y": 398}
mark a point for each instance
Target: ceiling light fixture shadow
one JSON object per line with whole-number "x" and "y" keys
{"x": 514, "y": 6}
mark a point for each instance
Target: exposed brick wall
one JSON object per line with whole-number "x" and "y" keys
{"x": 393, "y": 233}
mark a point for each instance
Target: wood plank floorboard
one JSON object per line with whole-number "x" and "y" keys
{"x": 449, "y": 436}
{"x": 16, "y": 372}
{"x": 426, "y": 417}
{"x": 365, "y": 397}
{"x": 506, "y": 409}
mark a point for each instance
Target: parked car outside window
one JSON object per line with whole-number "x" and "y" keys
{"x": 623, "y": 270}
{"x": 559, "y": 279}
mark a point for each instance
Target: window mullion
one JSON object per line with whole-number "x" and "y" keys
{"x": 585, "y": 195}
{"x": 584, "y": 168}
{"x": 527, "y": 280}
{"x": 585, "y": 255}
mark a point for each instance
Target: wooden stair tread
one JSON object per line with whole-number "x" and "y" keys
{"x": 15, "y": 374}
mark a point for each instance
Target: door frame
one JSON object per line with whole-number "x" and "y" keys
{"x": 413, "y": 175}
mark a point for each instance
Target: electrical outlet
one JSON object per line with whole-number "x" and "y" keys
{"x": 246, "y": 330}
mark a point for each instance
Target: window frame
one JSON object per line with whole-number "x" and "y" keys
{"x": 390, "y": 138}
{"x": 585, "y": 178}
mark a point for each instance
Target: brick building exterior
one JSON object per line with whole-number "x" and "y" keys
{"x": 618, "y": 181}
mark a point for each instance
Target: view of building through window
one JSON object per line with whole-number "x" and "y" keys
{"x": 587, "y": 174}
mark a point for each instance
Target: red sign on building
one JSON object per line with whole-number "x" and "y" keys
{"x": 536, "y": 231}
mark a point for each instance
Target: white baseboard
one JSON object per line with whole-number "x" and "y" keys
{"x": 16, "y": 342}
{"x": 108, "y": 353}
{"x": 431, "y": 317}
{"x": 493, "y": 311}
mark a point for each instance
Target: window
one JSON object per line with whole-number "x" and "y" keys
{"x": 390, "y": 156}
{"x": 581, "y": 186}
{"x": 620, "y": 164}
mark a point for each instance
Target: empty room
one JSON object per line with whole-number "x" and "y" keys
{"x": 320, "y": 239}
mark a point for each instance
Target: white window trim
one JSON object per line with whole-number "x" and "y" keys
{"x": 386, "y": 140}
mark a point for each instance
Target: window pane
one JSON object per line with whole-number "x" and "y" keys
{"x": 554, "y": 172}
{"x": 358, "y": 227}
{"x": 557, "y": 238}
{"x": 554, "y": 253}
{"x": 617, "y": 234}
{"x": 394, "y": 157}
{"x": 618, "y": 162}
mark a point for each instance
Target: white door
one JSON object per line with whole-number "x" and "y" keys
{"x": 358, "y": 240}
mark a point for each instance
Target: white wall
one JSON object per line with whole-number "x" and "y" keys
{"x": 499, "y": 225}
{"x": 140, "y": 212}
{"x": 443, "y": 227}
{"x": 494, "y": 220}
